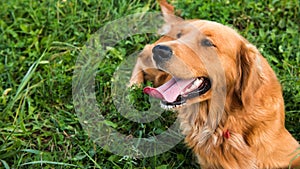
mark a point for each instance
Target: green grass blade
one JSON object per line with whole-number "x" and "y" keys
{"x": 97, "y": 165}
{"x": 4, "y": 163}
{"x": 24, "y": 82}
{"x": 49, "y": 162}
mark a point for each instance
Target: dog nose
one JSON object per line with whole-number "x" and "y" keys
{"x": 161, "y": 52}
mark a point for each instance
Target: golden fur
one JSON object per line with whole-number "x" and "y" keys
{"x": 253, "y": 112}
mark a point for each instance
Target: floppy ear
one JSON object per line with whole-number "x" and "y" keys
{"x": 169, "y": 16}
{"x": 166, "y": 8}
{"x": 167, "y": 11}
{"x": 249, "y": 73}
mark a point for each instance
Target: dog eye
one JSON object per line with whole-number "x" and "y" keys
{"x": 178, "y": 35}
{"x": 207, "y": 43}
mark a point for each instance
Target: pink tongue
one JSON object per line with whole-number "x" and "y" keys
{"x": 170, "y": 90}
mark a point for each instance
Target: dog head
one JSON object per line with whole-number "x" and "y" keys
{"x": 198, "y": 57}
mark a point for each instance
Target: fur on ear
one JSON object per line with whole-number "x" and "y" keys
{"x": 168, "y": 12}
{"x": 166, "y": 8}
{"x": 168, "y": 16}
{"x": 249, "y": 73}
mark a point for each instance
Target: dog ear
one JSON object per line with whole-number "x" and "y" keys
{"x": 166, "y": 8}
{"x": 168, "y": 12}
{"x": 249, "y": 73}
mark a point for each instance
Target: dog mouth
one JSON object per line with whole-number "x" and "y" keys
{"x": 176, "y": 92}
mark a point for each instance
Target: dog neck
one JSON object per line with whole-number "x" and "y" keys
{"x": 199, "y": 122}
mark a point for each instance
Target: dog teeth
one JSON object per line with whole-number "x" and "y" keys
{"x": 166, "y": 107}
{"x": 194, "y": 86}
{"x": 170, "y": 107}
{"x": 198, "y": 82}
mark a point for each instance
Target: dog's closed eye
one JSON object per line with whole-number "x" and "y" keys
{"x": 179, "y": 35}
{"x": 207, "y": 43}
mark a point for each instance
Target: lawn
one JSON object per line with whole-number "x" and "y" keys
{"x": 40, "y": 42}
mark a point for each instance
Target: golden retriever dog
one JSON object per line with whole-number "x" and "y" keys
{"x": 228, "y": 98}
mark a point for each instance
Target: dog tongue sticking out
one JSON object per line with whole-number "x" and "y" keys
{"x": 170, "y": 90}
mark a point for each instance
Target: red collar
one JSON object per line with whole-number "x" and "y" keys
{"x": 226, "y": 134}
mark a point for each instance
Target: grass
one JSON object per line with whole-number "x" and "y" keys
{"x": 39, "y": 45}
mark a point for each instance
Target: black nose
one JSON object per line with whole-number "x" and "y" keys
{"x": 161, "y": 53}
